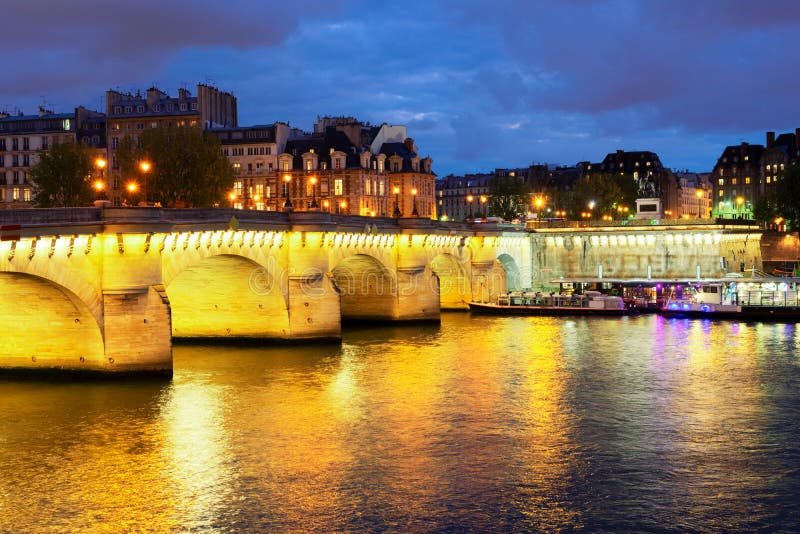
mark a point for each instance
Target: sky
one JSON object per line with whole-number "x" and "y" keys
{"x": 479, "y": 84}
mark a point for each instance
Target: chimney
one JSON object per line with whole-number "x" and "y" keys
{"x": 409, "y": 144}
{"x": 770, "y": 139}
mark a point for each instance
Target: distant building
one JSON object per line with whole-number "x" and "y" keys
{"x": 779, "y": 154}
{"x": 23, "y": 137}
{"x": 735, "y": 181}
{"x": 453, "y": 194}
{"x": 128, "y": 115}
{"x": 695, "y": 195}
{"x": 640, "y": 164}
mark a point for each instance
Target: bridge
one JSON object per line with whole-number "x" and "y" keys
{"x": 107, "y": 289}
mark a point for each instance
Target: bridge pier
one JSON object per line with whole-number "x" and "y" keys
{"x": 417, "y": 294}
{"x": 137, "y": 330}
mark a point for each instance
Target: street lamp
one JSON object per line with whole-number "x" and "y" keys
{"x": 470, "y": 198}
{"x": 287, "y": 205}
{"x": 484, "y": 200}
{"x": 538, "y": 202}
{"x": 313, "y": 181}
{"x": 145, "y": 166}
{"x": 99, "y": 185}
{"x": 343, "y": 206}
{"x": 397, "y": 212}
{"x": 699, "y": 195}
{"x": 232, "y": 197}
{"x": 414, "y": 212}
{"x": 326, "y": 204}
{"x": 739, "y": 204}
{"x": 132, "y": 187}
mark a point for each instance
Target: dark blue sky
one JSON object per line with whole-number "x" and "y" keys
{"x": 479, "y": 84}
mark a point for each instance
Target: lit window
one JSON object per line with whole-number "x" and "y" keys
{"x": 734, "y": 181}
{"x": 721, "y": 181}
{"x": 747, "y": 180}
{"x": 782, "y": 166}
{"x": 338, "y": 186}
{"x": 721, "y": 193}
{"x": 769, "y": 180}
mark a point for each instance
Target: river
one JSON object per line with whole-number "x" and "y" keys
{"x": 514, "y": 424}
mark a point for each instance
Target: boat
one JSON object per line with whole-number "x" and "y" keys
{"x": 765, "y": 300}
{"x": 523, "y": 303}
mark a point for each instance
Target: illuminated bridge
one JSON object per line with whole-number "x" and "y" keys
{"x": 90, "y": 289}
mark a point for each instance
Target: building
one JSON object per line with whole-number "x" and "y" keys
{"x": 23, "y": 137}
{"x": 459, "y": 198}
{"x": 128, "y": 115}
{"x": 735, "y": 181}
{"x": 694, "y": 195}
{"x": 343, "y": 166}
{"x": 778, "y": 154}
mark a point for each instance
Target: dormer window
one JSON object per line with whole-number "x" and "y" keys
{"x": 156, "y": 107}
{"x": 194, "y": 106}
{"x": 117, "y": 110}
{"x": 139, "y": 109}
{"x": 183, "y": 106}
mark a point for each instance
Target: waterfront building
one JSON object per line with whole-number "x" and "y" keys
{"x": 735, "y": 181}
{"x": 458, "y": 198}
{"x": 24, "y": 137}
{"x": 343, "y": 166}
{"x": 128, "y": 115}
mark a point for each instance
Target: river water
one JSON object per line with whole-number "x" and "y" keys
{"x": 514, "y": 424}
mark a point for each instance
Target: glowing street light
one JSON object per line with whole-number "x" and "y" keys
{"x": 326, "y": 204}
{"x": 287, "y": 204}
{"x": 470, "y": 198}
{"x": 484, "y": 200}
{"x": 232, "y": 197}
{"x": 699, "y": 195}
{"x": 397, "y": 213}
{"x": 414, "y": 212}
{"x": 313, "y": 181}
{"x": 145, "y": 167}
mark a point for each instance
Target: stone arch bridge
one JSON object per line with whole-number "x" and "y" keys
{"x": 106, "y": 290}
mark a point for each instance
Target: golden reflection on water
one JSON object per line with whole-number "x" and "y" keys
{"x": 489, "y": 424}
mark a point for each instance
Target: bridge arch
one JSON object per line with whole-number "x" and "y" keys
{"x": 228, "y": 296}
{"x": 507, "y": 273}
{"x": 367, "y": 289}
{"x": 454, "y": 285}
{"x": 53, "y": 327}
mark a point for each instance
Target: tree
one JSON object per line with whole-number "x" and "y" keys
{"x": 61, "y": 178}
{"x": 509, "y": 197}
{"x": 787, "y": 196}
{"x": 607, "y": 190}
{"x": 187, "y": 167}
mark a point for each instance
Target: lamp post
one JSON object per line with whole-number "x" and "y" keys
{"x": 484, "y": 199}
{"x": 397, "y": 212}
{"x": 538, "y": 202}
{"x": 232, "y": 198}
{"x": 699, "y": 195}
{"x": 132, "y": 187}
{"x": 739, "y": 204}
{"x": 144, "y": 166}
{"x": 414, "y": 212}
{"x": 99, "y": 184}
{"x": 313, "y": 181}
{"x": 343, "y": 206}
{"x": 470, "y": 198}
{"x": 326, "y": 205}
{"x": 287, "y": 204}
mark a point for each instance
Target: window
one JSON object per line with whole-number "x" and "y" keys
{"x": 15, "y": 177}
{"x": 26, "y": 160}
{"x": 170, "y": 107}
{"x": 769, "y": 180}
{"x": 380, "y": 187}
{"x": 114, "y": 142}
{"x": 194, "y": 106}
{"x": 769, "y": 166}
{"x": 309, "y": 165}
{"x": 117, "y": 110}
{"x": 183, "y": 106}
{"x": 2, "y": 163}
{"x": 367, "y": 185}
{"x": 156, "y": 107}
{"x": 2, "y": 144}
{"x": 15, "y": 160}
{"x": 140, "y": 109}
{"x": 734, "y": 181}
{"x": 26, "y": 194}
{"x": 45, "y": 143}
{"x": 15, "y": 194}
{"x": 747, "y": 180}
{"x": 269, "y": 150}
{"x": 270, "y": 167}
{"x": 721, "y": 193}
{"x": 237, "y": 188}
{"x": 284, "y": 165}
{"x": 338, "y": 186}
{"x": 721, "y": 181}
{"x": 782, "y": 166}
{"x": 15, "y": 144}
{"x": 26, "y": 143}
{"x": 128, "y": 109}
{"x": 153, "y": 124}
